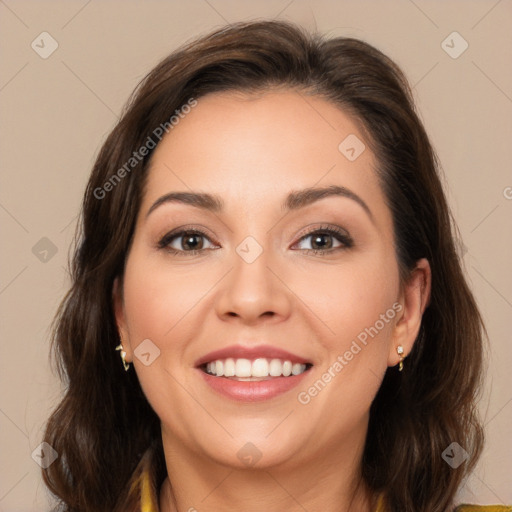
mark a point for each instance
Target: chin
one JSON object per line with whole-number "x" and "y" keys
{"x": 255, "y": 450}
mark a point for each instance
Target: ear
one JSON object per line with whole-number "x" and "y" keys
{"x": 414, "y": 298}
{"x": 119, "y": 313}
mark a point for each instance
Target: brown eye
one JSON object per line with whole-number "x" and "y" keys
{"x": 189, "y": 241}
{"x": 323, "y": 240}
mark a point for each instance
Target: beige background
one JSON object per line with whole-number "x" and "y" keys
{"x": 57, "y": 111}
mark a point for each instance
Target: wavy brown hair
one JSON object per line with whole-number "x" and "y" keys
{"x": 104, "y": 424}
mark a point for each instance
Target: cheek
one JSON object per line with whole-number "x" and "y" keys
{"x": 351, "y": 297}
{"x": 358, "y": 304}
{"x": 157, "y": 300}
{"x": 159, "y": 307}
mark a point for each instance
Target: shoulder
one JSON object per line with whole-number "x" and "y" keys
{"x": 483, "y": 508}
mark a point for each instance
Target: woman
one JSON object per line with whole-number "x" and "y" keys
{"x": 266, "y": 241}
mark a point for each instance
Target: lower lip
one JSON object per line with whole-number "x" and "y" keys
{"x": 252, "y": 391}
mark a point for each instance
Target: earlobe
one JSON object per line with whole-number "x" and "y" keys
{"x": 415, "y": 297}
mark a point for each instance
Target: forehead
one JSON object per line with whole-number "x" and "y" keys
{"x": 254, "y": 148}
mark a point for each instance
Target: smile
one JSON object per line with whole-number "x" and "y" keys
{"x": 252, "y": 373}
{"x": 247, "y": 370}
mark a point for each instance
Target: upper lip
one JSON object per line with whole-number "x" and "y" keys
{"x": 255, "y": 352}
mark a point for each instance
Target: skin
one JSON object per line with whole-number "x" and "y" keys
{"x": 252, "y": 150}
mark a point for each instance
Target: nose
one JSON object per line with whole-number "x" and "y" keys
{"x": 254, "y": 292}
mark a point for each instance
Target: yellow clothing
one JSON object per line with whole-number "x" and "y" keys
{"x": 144, "y": 489}
{"x": 485, "y": 508}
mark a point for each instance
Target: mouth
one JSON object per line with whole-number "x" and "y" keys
{"x": 252, "y": 374}
{"x": 256, "y": 370}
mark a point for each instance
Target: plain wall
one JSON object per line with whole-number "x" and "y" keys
{"x": 56, "y": 112}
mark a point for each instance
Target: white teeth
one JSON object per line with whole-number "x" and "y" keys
{"x": 243, "y": 368}
{"x": 276, "y": 368}
{"x": 229, "y": 367}
{"x": 259, "y": 368}
{"x": 297, "y": 368}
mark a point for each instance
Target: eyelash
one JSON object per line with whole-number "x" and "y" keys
{"x": 333, "y": 231}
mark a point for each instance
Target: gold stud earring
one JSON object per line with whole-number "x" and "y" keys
{"x": 400, "y": 352}
{"x": 123, "y": 356}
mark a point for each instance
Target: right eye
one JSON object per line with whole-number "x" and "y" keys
{"x": 185, "y": 242}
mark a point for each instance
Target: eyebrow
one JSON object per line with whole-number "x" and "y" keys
{"x": 294, "y": 200}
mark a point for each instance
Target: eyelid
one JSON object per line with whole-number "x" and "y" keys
{"x": 335, "y": 231}
{"x": 186, "y": 228}
{"x": 313, "y": 228}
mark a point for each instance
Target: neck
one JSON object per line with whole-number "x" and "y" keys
{"x": 331, "y": 482}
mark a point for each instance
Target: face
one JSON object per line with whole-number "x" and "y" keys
{"x": 276, "y": 280}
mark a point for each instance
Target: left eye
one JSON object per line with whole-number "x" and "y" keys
{"x": 322, "y": 240}
{"x": 191, "y": 241}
